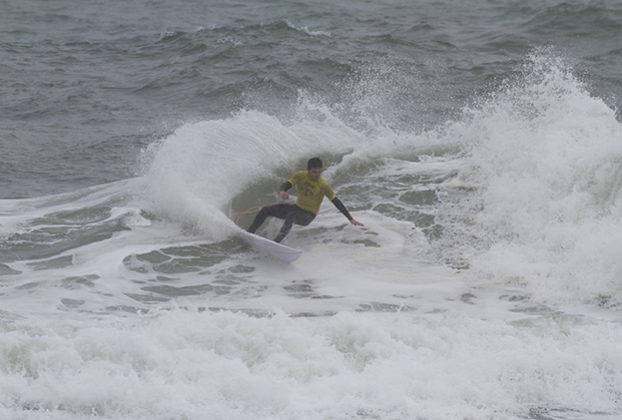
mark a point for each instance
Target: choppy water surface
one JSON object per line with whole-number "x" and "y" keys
{"x": 479, "y": 142}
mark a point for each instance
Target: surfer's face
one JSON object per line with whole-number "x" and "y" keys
{"x": 314, "y": 173}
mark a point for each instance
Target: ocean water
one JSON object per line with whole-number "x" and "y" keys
{"x": 479, "y": 142}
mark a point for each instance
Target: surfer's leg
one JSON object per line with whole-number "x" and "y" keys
{"x": 298, "y": 216}
{"x": 303, "y": 218}
{"x": 287, "y": 226}
{"x": 279, "y": 211}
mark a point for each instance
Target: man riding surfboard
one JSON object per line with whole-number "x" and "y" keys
{"x": 312, "y": 189}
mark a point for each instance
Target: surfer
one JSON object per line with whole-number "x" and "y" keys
{"x": 312, "y": 189}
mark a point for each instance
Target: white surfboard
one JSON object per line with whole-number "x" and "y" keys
{"x": 265, "y": 245}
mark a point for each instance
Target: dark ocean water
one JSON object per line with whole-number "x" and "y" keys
{"x": 478, "y": 141}
{"x": 85, "y": 86}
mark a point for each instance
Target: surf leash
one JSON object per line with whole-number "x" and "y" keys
{"x": 246, "y": 212}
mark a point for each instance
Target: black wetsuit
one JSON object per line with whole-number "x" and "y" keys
{"x": 291, "y": 213}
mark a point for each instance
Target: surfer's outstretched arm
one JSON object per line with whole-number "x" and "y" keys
{"x": 342, "y": 208}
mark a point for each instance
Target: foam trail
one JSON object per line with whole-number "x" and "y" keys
{"x": 306, "y": 30}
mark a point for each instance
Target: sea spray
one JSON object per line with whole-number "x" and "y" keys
{"x": 198, "y": 169}
{"x": 543, "y": 157}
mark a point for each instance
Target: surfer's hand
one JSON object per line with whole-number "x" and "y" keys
{"x": 356, "y": 222}
{"x": 284, "y": 195}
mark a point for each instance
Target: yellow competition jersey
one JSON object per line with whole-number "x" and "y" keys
{"x": 311, "y": 193}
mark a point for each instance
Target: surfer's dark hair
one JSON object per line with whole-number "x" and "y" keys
{"x": 315, "y": 162}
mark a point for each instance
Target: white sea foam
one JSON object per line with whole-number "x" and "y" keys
{"x": 545, "y": 158}
{"x": 306, "y": 30}
{"x": 232, "y": 366}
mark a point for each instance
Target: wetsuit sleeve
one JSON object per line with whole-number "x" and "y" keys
{"x": 295, "y": 179}
{"x": 328, "y": 191}
{"x": 291, "y": 182}
{"x": 337, "y": 202}
{"x": 286, "y": 186}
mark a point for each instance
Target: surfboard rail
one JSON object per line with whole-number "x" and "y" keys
{"x": 267, "y": 246}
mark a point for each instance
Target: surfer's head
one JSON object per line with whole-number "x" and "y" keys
{"x": 314, "y": 166}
